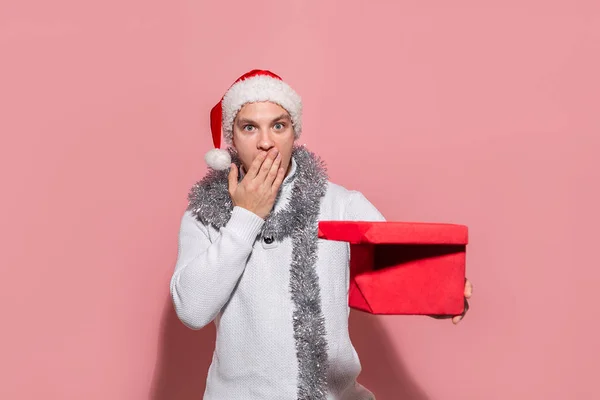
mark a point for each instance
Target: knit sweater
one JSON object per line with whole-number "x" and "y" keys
{"x": 241, "y": 281}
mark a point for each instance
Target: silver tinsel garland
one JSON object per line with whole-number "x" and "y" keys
{"x": 210, "y": 202}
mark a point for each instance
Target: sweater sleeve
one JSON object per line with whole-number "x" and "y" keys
{"x": 358, "y": 208}
{"x": 206, "y": 272}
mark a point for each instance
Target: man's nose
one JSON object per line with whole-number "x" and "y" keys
{"x": 265, "y": 142}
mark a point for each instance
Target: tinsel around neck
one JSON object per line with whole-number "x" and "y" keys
{"x": 210, "y": 202}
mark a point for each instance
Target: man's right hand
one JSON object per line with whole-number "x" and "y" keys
{"x": 258, "y": 189}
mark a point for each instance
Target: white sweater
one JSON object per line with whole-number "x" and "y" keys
{"x": 235, "y": 278}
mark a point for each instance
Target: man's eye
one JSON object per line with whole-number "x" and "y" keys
{"x": 248, "y": 127}
{"x": 278, "y": 126}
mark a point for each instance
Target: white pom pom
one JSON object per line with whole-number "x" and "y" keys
{"x": 218, "y": 159}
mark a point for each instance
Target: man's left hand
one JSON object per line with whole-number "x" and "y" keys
{"x": 468, "y": 292}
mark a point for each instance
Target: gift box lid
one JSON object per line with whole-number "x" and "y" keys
{"x": 392, "y": 232}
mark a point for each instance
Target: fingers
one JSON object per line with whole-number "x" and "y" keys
{"x": 278, "y": 180}
{"x": 273, "y": 171}
{"x": 468, "y": 289}
{"x": 468, "y": 292}
{"x": 256, "y": 164}
{"x": 457, "y": 318}
{"x": 272, "y": 156}
{"x": 233, "y": 179}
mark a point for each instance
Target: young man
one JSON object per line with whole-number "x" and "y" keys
{"x": 250, "y": 260}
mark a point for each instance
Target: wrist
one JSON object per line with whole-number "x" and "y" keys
{"x": 245, "y": 223}
{"x": 251, "y": 209}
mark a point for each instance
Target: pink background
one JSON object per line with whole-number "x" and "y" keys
{"x": 486, "y": 115}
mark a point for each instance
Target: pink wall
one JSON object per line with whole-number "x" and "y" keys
{"x": 437, "y": 111}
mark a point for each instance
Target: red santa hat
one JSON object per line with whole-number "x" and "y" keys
{"x": 254, "y": 86}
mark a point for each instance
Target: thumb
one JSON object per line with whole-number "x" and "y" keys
{"x": 233, "y": 179}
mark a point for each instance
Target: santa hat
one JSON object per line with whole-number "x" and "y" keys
{"x": 254, "y": 86}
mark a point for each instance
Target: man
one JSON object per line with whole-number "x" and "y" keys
{"x": 250, "y": 260}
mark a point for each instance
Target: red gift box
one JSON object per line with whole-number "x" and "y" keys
{"x": 398, "y": 268}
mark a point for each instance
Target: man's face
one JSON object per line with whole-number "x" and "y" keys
{"x": 260, "y": 127}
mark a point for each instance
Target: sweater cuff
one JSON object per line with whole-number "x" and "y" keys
{"x": 245, "y": 224}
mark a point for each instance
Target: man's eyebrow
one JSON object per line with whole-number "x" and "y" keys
{"x": 283, "y": 116}
{"x": 244, "y": 121}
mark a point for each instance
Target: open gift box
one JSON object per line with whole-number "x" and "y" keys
{"x": 398, "y": 268}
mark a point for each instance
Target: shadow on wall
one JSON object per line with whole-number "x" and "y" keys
{"x": 382, "y": 373}
{"x": 185, "y": 355}
{"x": 183, "y": 359}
